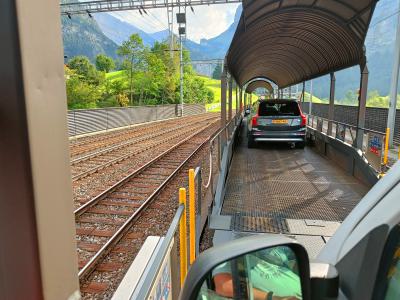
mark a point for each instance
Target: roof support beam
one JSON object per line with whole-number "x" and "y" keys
{"x": 237, "y": 100}
{"x": 230, "y": 98}
{"x": 331, "y": 108}
{"x": 311, "y": 97}
{"x": 240, "y": 99}
{"x": 223, "y": 97}
{"x": 362, "y": 103}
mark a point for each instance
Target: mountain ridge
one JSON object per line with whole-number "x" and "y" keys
{"x": 109, "y": 31}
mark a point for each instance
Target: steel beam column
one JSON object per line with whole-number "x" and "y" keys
{"x": 394, "y": 85}
{"x": 311, "y": 96}
{"x": 240, "y": 99}
{"x": 237, "y": 100}
{"x": 331, "y": 108}
{"x": 362, "y": 103}
{"x": 223, "y": 97}
{"x": 303, "y": 92}
{"x": 230, "y": 98}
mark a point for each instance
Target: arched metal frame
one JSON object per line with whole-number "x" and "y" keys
{"x": 294, "y": 41}
{"x": 254, "y": 84}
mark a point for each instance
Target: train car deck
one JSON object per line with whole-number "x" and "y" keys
{"x": 276, "y": 189}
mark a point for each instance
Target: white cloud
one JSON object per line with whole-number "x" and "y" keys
{"x": 206, "y": 21}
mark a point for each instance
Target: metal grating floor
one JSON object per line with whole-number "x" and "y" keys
{"x": 272, "y": 183}
{"x": 242, "y": 222}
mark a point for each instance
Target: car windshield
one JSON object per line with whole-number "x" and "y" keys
{"x": 278, "y": 109}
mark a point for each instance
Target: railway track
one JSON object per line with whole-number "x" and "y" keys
{"x": 93, "y": 143}
{"x": 105, "y": 219}
{"x": 93, "y": 162}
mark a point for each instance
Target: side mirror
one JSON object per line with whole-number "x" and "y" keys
{"x": 256, "y": 267}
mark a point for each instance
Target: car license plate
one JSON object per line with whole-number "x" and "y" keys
{"x": 279, "y": 121}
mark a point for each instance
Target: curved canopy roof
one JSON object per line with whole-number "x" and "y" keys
{"x": 260, "y": 83}
{"x": 289, "y": 41}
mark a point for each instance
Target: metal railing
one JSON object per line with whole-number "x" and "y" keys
{"x": 375, "y": 117}
{"x": 375, "y": 147}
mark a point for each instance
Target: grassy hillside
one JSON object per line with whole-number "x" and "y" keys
{"x": 215, "y": 86}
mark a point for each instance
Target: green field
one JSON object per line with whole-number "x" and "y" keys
{"x": 214, "y": 85}
{"x": 116, "y": 75}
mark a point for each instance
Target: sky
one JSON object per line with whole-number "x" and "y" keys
{"x": 206, "y": 21}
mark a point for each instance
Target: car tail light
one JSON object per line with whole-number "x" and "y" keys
{"x": 254, "y": 121}
{"x": 303, "y": 120}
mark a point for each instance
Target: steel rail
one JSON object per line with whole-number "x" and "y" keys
{"x": 118, "y": 159}
{"x": 83, "y": 208}
{"x": 105, "y": 249}
{"x": 130, "y": 142}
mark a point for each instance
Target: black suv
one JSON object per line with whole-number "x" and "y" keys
{"x": 276, "y": 120}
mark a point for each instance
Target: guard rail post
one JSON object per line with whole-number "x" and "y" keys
{"x": 386, "y": 152}
{"x": 398, "y": 152}
{"x": 219, "y": 151}
{"x": 192, "y": 221}
{"x": 183, "y": 237}
{"x": 198, "y": 179}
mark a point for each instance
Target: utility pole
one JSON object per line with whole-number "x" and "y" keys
{"x": 181, "y": 73}
{"x": 170, "y": 13}
{"x": 394, "y": 85}
{"x": 181, "y": 20}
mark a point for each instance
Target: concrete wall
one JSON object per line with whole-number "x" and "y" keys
{"x": 82, "y": 121}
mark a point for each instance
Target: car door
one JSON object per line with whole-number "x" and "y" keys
{"x": 367, "y": 243}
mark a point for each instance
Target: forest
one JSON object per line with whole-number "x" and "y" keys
{"x": 139, "y": 76}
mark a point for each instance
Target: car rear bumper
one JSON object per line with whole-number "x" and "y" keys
{"x": 278, "y": 136}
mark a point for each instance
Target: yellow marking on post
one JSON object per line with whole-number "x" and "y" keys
{"x": 385, "y": 156}
{"x": 398, "y": 150}
{"x": 192, "y": 217}
{"x": 182, "y": 236}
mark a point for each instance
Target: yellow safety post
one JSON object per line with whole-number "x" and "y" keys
{"x": 385, "y": 155}
{"x": 398, "y": 150}
{"x": 182, "y": 236}
{"x": 192, "y": 218}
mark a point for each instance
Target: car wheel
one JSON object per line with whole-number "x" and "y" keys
{"x": 300, "y": 145}
{"x": 250, "y": 142}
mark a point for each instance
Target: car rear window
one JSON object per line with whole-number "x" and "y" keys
{"x": 278, "y": 109}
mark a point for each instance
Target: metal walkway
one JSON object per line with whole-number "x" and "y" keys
{"x": 276, "y": 189}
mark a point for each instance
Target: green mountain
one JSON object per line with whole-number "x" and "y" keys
{"x": 83, "y": 36}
